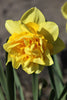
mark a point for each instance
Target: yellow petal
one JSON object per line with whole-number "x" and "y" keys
{"x": 36, "y": 68}
{"x": 37, "y": 53}
{"x": 40, "y": 68}
{"x": 12, "y": 59}
{"x": 29, "y": 69}
{"x": 39, "y": 61}
{"x": 27, "y": 62}
{"x": 58, "y": 46}
{"x": 5, "y": 46}
{"x": 33, "y": 27}
{"x": 33, "y": 68}
{"x": 50, "y": 30}
{"x": 48, "y": 59}
{"x": 64, "y": 10}
{"x": 33, "y": 15}
{"x": 8, "y": 59}
{"x": 15, "y": 27}
{"x": 14, "y": 45}
{"x": 15, "y": 64}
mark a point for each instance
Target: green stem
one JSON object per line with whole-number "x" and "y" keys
{"x": 35, "y": 86}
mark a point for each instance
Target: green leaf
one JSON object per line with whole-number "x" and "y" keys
{"x": 3, "y": 82}
{"x": 10, "y": 80}
{"x": 64, "y": 92}
{"x": 56, "y": 78}
{"x": 18, "y": 84}
{"x": 33, "y": 15}
{"x": 1, "y": 95}
{"x": 52, "y": 95}
{"x": 66, "y": 97}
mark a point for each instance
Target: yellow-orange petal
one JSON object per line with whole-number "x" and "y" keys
{"x": 33, "y": 27}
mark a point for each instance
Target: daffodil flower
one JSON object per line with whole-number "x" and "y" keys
{"x": 64, "y": 12}
{"x": 32, "y": 42}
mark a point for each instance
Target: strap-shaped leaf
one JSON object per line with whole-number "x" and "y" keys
{"x": 52, "y": 95}
{"x": 3, "y": 82}
{"x": 56, "y": 78}
{"x": 64, "y": 92}
{"x": 1, "y": 95}
{"x": 10, "y": 80}
{"x": 18, "y": 84}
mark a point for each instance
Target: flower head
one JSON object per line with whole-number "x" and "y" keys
{"x": 32, "y": 41}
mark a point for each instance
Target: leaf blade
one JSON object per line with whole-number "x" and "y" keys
{"x": 3, "y": 81}
{"x": 1, "y": 95}
{"x": 56, "y": 77}
{"x": 18, "y": 84}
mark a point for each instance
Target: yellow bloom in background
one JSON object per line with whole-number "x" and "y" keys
{"x": 66, "y": 27}
{"x": 64, "y": 12}
{"x": 32, "y": 41}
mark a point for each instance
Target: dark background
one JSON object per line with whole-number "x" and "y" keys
{"x": 14, "y": 9}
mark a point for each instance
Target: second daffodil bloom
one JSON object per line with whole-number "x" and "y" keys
{"x": 64, "y": 12}
{"x": 32, "y": 42}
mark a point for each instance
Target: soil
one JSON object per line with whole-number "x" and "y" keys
{"x": 14, "y": 9}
